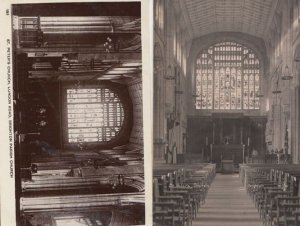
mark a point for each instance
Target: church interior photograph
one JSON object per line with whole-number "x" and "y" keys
{"x": 78, "y": 126}
{"x": 226, "y": 109}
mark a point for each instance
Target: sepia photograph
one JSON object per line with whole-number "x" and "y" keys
{"x": 152, "y": 112}
{"x": 226, "y": 109}
{"x": 78, "y": 114}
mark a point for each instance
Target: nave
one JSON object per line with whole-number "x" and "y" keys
{"x": 261, "y": 194}
{"x": 226, "y": 95}
{"x": 227, "y": 204}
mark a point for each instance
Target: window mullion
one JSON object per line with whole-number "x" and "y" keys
{"x": 239, "y": 63}
{"x": 242, "y": 77}
{"x": 213, "y": 82}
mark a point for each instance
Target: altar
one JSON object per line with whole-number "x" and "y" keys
{"x": 225, "y": 136}
{"x": 227, "y": 166}
{"x": 227, "y": 156}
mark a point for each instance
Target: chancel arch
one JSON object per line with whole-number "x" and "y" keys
{"x": 227, "y": 106}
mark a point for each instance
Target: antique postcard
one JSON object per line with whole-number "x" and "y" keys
{"x": 73, "y": 90}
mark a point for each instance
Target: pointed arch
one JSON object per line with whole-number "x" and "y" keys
{"x": 227, "y": 77}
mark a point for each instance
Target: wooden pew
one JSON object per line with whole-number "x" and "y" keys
{"x": 285, "y": 208}
{"x": 167, "y": 209}
{"x": 275, "y": 191}
{"x": 179, "y": 193}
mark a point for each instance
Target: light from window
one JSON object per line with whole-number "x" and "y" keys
{"x": 227, "y": 78}
{"x": 94, "y": 115}
{"x": 159, "y": 14}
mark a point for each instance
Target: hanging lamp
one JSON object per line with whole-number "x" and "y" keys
{"x": 286, "y": 74}
{"x": 277, "y": 91}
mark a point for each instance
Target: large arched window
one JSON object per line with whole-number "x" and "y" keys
{"x": 227, "y": 78}
{"x": 94, "y": 115}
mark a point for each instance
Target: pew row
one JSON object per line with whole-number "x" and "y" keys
{"x": 179, "y": 192}
{"x": 274, "y": 189}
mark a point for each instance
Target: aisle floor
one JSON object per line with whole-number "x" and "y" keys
{"x": 227, "y": 204}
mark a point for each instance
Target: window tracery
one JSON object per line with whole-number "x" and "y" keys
{"x": 227, "y": 78}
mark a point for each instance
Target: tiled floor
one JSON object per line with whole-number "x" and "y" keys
{"x": 227, "y": 204}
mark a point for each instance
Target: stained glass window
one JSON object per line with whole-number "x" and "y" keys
{"x": 94, "y": 115}
{"x": 227, "y": 78}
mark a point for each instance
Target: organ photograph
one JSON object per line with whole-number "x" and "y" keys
{"x": 78, "y": 126}
{"x": 226, "y": 110}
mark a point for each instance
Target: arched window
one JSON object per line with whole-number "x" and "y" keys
{"x": 227, "y": 78}
{"x": 94, "y": 115}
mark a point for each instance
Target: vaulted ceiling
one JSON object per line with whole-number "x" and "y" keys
{"x": 248, "y": 16}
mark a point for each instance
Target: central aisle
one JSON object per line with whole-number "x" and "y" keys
{"x": 227, "y": 204}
